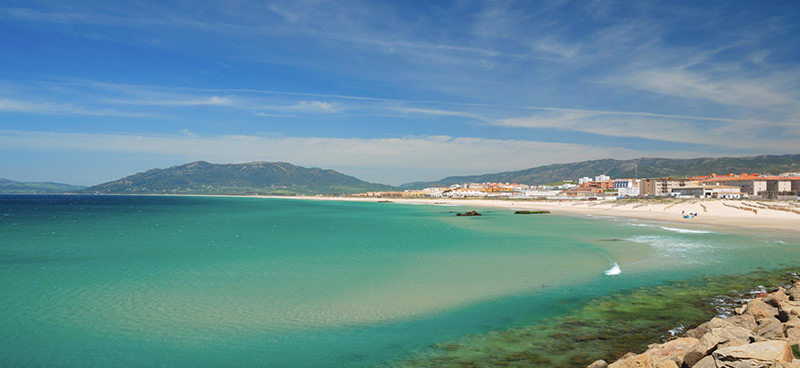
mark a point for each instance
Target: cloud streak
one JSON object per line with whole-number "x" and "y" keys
{"x": 48, "y": 108}
{"x": 405, "y": 155}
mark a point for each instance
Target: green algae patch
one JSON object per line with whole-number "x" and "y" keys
{"x": 605, "y": 327}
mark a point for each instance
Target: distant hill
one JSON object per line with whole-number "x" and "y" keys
{"x": 647, "y": 168}
{"x": 14, "y": 187}
{"x": 267, "y": 178}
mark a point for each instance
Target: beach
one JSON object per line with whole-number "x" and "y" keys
{"x": 709, "y": 212}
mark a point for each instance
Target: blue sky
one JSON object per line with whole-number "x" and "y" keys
{"x": 391, "y": 92}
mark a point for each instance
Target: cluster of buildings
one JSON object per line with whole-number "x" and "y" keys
{"x": 744, "y": 185}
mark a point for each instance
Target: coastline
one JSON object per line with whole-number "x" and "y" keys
{"x": 515, "y": 343}
{"x": 710, "y": 212}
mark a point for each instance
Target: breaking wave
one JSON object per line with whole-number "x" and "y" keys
{"x": 686, "y": 231}
{"x": 613, "y": 271}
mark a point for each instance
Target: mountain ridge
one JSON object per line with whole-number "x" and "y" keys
{"x": 258, "y": 177}
{"x": 8, "y": 186}
{"x": 643, "y": 167}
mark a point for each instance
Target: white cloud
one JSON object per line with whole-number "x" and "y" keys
{"x": 727, "y": 134}
{"x": 305, "y": 106}
{"x": 192, "y": 101}
{"x": 754, "y": 92}
{"x": 436, "y": 112}
{"x": 406, "y": 157}
{"x": 48, "y": 108}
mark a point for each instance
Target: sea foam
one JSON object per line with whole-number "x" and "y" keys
{"x": 686, "y": 231}
{"x": 613, "y": 271}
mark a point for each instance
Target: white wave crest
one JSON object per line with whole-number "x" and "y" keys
{"x": 686, "y": 231}
{"x": 613, "y": 271}
{"x": 675, "y": 229}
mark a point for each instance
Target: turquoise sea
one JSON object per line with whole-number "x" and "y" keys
{"x": 146, "y": 281}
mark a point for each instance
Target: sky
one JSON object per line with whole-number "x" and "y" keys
{"x": 393, "y": 91}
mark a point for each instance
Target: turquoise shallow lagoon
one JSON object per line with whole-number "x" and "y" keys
{"x": 137, "y": 281}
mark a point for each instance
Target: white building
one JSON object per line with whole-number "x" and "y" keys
{"x": 709, "y": 191}
{"x": 461, "y": 193}
{"x": 584, "y": 179}
{"x": 627, "y": 187}
{"x": 538, "y": 193}
{"x": 632, "y": 191}
{"x": 602, "y": 178}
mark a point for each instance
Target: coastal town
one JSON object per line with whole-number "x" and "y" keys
{"x": 785, "y": 186}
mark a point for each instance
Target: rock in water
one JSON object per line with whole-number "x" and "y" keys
{"x": 598, "y": 364}
{"x": 468, "y": 213}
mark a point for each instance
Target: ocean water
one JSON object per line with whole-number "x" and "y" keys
{"x": 145, "y": 281}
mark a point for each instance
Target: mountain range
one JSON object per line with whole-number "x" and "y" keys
{"x": 280, "y": 178}
{"x": 265, "y": 178}
{"x": 640, "y": 167}
{"x": 16, "y": 187}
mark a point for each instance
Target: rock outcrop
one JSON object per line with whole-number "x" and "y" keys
{"x": 468, "y": 213}
{"x": 761, "y": 334}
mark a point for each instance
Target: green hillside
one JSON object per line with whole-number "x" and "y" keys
{"x": 265, "y": 178}
{"x": 14, "y": 187}
{"x": 641, "y": 167}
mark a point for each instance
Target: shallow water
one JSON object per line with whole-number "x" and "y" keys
{"x": 182, "y": 281}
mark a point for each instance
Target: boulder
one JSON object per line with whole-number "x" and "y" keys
{"x": 794, "y": 291}
{"x": 725, "y": 334}
{"x": 791, "y": 329}
{"x": 716, "y": 338}
{"x": 740, "y": 310}
{"x": 672, "y": 350}
{"x": 776, "y": 298}
{"x": 744, "y": 321}
{"x": 758, "y": 354}
{"x": 770, "y": 329}
{"x": 636, "y": 361}
{"x": 704, "y": 328}
{"x": 598, "y": 364}
{"x": 786, "y": 309}
{"x": 760, "y": 310}
{"x": 704, "y": 346}
{"x": 706, "y": 362}
{"x": 668, "y": 363}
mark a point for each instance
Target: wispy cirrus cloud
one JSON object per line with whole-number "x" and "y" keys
{"x": 307, "y": 106}
{"x": 439, "y": 112}
{"x": 725, "y": 134}
{"x": 194, "y": 101}
{"x": 728, "y": 90}
{"x": 49, "y": 108}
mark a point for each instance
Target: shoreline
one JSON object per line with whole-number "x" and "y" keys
{"x": 606, "y": 327}
{"x": 710, "y": 212}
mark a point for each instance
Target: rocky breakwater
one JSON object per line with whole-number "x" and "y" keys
{"x": 764, "y": 332}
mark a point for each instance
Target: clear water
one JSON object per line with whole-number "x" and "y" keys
{"x": 100, "y": 281}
